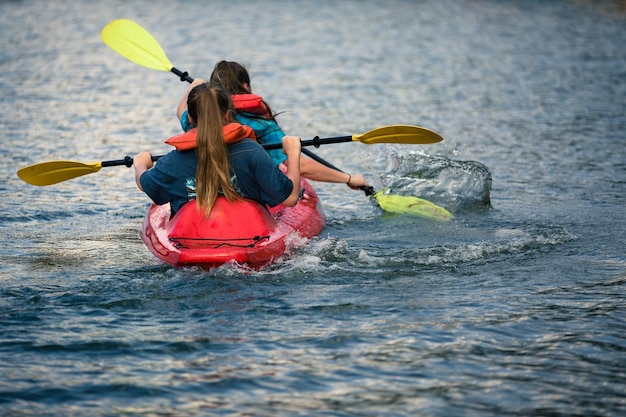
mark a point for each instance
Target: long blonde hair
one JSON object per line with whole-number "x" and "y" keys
{"x": 208, "y": 106}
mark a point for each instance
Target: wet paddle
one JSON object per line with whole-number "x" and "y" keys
{"x": 395, "y": 203}
{"x": 48, "y": 173}
{"x": 136, "y": 44}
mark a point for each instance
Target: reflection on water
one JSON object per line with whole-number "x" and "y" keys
{"x": 513, "y": 308}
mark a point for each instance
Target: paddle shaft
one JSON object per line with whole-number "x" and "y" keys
{"x": 367, "y": 190}
{"x": 312, "y": 142}
{"x": 128, "y": 161}
{"x": 184, "y": 76}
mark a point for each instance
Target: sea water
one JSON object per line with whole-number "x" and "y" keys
{"x": 516, "y": 307}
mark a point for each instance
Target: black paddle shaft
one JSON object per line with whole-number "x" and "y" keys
{"x": 367, "y": 190}
{"x": 184, "y": 76}
{"x": 127, "y": 161}
{"x": 316, "y": 142}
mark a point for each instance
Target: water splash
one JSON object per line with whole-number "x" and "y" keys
{"x": 456, "y": 185}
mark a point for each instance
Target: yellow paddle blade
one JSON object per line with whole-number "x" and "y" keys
{"x": 134, "y": 43}
{"x": 48, "y": 173}
{"x": 403, "y": 134}
{"x": 411, "y": 205}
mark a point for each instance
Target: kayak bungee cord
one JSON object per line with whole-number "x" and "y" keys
{"x": 256, "y": 239}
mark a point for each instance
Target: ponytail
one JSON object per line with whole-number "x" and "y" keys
{"x": 207, "y": 107}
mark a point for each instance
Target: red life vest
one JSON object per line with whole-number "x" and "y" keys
{"x": 250, "y": 103}
{"x": 233, "y": 133}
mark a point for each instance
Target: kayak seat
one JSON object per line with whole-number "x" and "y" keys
{"x": 228, "y": 221}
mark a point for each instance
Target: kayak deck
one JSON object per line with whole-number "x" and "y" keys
{"x": 243, "y": 231}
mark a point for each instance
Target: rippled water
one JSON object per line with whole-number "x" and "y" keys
{"x": 517, "y": 307}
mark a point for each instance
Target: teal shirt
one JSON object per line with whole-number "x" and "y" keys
{"x": 266, "y": 131}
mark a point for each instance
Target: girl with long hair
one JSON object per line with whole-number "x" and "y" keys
{"x": 222, "y": 159}
{"x": 251, "y": 110}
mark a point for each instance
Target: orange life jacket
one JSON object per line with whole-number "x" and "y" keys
{"x": 233, "y": 133}
{"x": 250, "y": 103}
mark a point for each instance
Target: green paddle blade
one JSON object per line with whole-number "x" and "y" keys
{"x": 136, "y": 44}
{"x": 403, "y": 134}
{"x": 48, "y": 173}
{"x": 413, "y": 206}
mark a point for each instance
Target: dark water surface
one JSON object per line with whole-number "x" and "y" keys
{"x": 515, "y": 308}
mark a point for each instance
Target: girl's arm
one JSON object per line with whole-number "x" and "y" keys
{"x": 315, "y": 171}
{"x": 291, "y": 148}
{"x": 142, "y": 162}
{"x": 182, "y": 105}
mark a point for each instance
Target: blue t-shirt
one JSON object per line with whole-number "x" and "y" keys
{"x": 173, "y": 177}
{"x": 266, "y": 131}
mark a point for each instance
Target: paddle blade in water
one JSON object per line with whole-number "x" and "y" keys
{"x": 48, "y": 173}
{"x": 136, "y": 44}
{"x": 413, "y": 206}
{"x": 403, "y": 134}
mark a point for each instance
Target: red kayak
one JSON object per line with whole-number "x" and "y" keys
{"x": 243, "y": 231}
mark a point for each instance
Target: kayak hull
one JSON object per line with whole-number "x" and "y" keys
{"x": 241, "y": 232}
